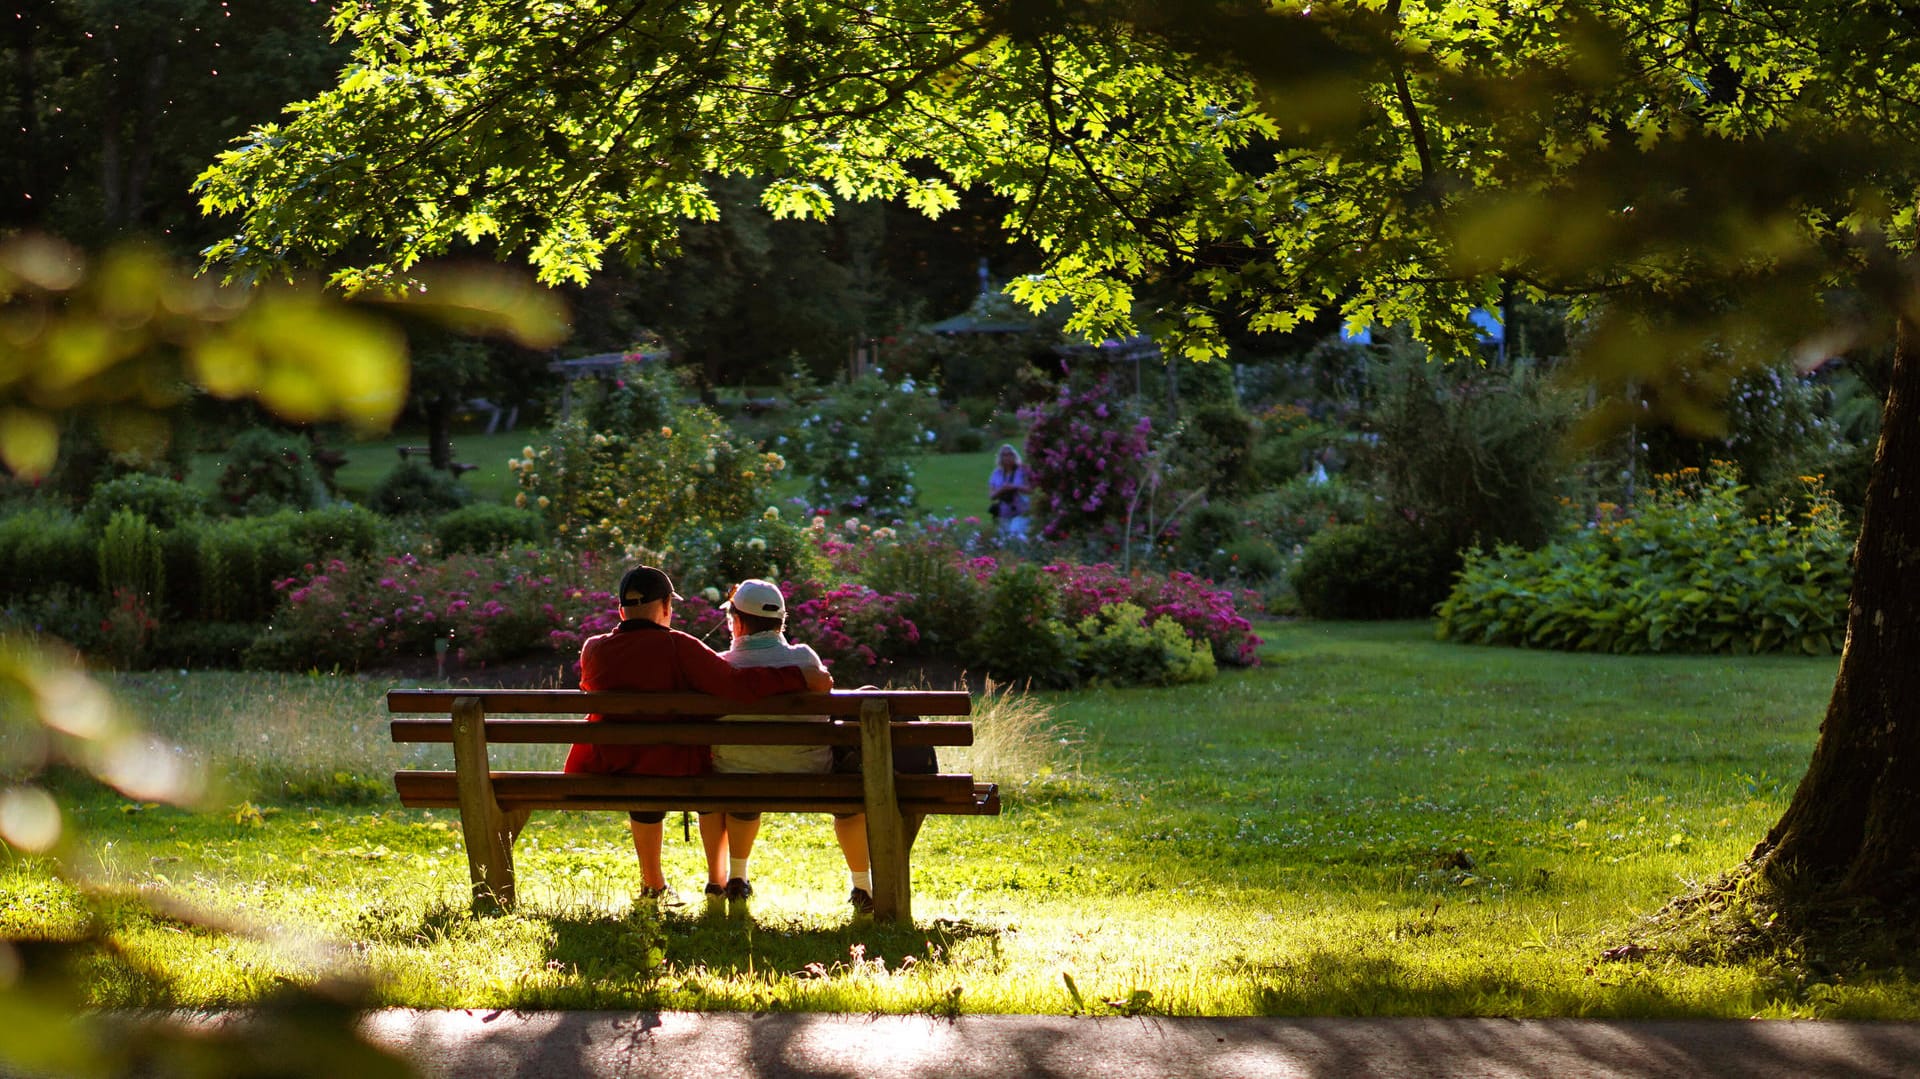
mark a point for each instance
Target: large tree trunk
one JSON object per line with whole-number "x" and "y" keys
{"x": 440, "y": 432}
{"x": 1853, "y": 828}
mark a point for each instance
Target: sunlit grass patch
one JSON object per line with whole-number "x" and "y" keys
{"x": 1371, "y": 823}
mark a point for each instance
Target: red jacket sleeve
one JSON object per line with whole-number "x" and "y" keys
{"x": 709, "y": 673}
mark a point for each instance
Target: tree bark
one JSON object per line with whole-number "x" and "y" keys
{"x": 1852, "y": 830}
{"x": 440, "y": 432}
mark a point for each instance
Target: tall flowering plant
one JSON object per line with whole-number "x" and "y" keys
{"x": 1086, "y": 452}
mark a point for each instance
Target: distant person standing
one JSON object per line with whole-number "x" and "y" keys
{"x": 1011, "y": 489}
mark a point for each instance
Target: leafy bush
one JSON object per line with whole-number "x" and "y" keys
{"x": 766, "y": 546}
{"x": 1286, "y": 438}
{"x": 1377, "y": 569}
{"x": 942, "y": 597}
{"x": 850, "y": 624}
{"x": 164, "y": 502}
{"x": 203, "y": 645}
{"x": 617, "y": 492}
{"x": 60, "y": 611}
{"x": 488, "y": 607}
{"x": 130, "y": 559}
{"x": 860, "y": 444}
{"x": 414, "y": 488}
{"x": 1690, "y": 572}
{"x": 43, "y": 547}
{"x": 1117, "y": 645}
{"x": 264, "y": 470}
{"x": 1204, "y": 612}
{"x": 1021, "y": 637}
{"x": 1297, "y": 510}
{"x": 1214, "y": 450}
{"x": 487, "y": 527}
{"x": 1470, "y": 455}
{"x": 1086, "y": 450}
{"x": 224, "y": 569}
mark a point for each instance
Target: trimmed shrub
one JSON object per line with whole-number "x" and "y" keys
{"x": 165, "y": 503}
{"x": 43, "y": 547}
{"x": 487, "y": 527}
{"x": 130, "y": 559}
{"x": 413, "y": 488}
{"x": 264, "y": 470}
{"x": 1691, "y": 572}
{"x": 1374, "y": 570}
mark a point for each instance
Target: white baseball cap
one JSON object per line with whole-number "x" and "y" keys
{"x": 757, "y": 597}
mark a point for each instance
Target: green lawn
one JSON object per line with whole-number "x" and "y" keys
{"x": 368, "y": 462}
{"x": 1369, "y": 823}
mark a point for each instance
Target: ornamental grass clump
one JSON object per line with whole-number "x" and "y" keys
{"x": 1691, "y": 571}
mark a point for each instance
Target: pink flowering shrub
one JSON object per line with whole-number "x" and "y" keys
{"x": 1086, "y": 452}
{"x": 487, "y": 607}
{"x": 1205, "y": 612}
{"x": 850, "y": 625}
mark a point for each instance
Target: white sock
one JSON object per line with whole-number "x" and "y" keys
{"x": 862, "y": 881}
{"x": 737, "y": 868}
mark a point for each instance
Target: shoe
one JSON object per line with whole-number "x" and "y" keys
{"x": 663, "y": 896}
{"x": 739, "y": 898}
{"x": 716, "y": 897}
{"x": 861, "y": 901}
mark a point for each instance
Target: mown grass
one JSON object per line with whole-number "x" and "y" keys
{"x": 1371, "y": 823}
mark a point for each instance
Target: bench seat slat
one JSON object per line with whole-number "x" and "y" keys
{"x": 700, "y": 733}
{"x": 901, "y": 702}
{"x": 511, "y": 785}
{"x": 767, "y": 792}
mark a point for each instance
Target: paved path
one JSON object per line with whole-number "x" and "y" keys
{"x": 680, "y": 1045}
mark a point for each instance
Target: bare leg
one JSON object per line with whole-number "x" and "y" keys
{"x": 740, "y": 836}
{"x": 713, "y": 839}
{"x": 852, "y": 834}
{"x": 646, "y": 844}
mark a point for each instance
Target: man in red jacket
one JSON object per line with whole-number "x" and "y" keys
{"x": 645, "y": 654}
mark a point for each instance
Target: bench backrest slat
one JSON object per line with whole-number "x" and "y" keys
{"x": 704, "y": 733}
{"x": 900, "y": 702}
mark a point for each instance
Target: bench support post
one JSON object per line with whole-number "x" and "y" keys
{"x": 488, "y": 832}
{"x": 886, "y": 831}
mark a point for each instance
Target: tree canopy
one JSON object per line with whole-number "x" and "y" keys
{"x": 1703, "y": 180}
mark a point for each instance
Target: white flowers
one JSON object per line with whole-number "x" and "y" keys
{"x": 756, "y": 544}
{"x": 772, "y": 513}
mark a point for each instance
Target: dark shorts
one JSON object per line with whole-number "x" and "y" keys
{"x": 653, "y": 817}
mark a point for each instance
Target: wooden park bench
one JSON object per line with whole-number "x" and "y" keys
{"x": 494, "y": 805}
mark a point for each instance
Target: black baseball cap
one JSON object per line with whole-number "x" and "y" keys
{"x": 645, "y": 584}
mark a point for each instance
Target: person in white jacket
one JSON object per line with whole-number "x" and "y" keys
{"x": 757, "y": 616}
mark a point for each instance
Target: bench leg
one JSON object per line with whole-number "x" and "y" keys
{"x": 887, "y": 840}
{"x": 488, "y": 835}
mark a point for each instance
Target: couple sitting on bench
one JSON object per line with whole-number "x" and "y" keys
{"x": 645, "y": 654}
